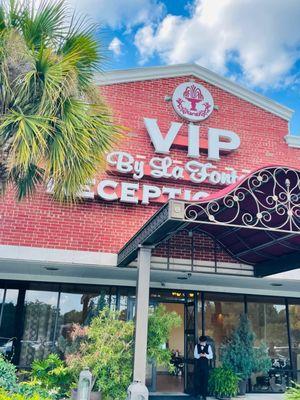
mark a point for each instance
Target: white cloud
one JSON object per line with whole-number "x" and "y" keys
{"x": 116, "y": 46}
{"x": 120, "y": 13}
{"x": 262, "y": 37}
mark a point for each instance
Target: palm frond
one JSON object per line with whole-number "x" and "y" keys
{"x": 26, "y": 182}
{"x": 84, "y": 51}
{"x": 46, "y": 25}
{"x": 77, "y": 150}
{"x": 30, "y": 134}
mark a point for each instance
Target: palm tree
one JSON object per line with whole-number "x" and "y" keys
{"x": 54, "y": 125}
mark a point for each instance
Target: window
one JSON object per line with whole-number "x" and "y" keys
{"x": 268, "y": 317}
{"x": 294, "y": 311}
{"x": 8, "y": 306}
{"x": 222, "y": 312}
{"x": 39, "y": 323}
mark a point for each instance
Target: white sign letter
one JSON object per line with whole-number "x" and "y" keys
{"x": 128, "y": 192}
{"x": 150, "y": 192}
{"x": 215, "y": 142}
{"x": 161, "y": 143}
{"x": 194, "y": 145}
{"x": 104, "y": 194}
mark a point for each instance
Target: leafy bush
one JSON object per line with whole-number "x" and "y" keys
{"x": 239, "y": 355}
{"x": 160, "y": 325}
{"x": 32, "y": 388}
{"x": 223, "y": 382}
{"x": 8, "y": 377}
{"x": 4, "y": 395}
{"x": 293, "y": 393}
{"x": 108, "y": 349}
{"x": 72, "y": 343}
{"x": 51, "y": 375}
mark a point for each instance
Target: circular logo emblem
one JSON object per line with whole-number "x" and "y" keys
{"x": 192, "y": 101}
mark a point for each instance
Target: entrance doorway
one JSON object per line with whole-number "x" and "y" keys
{"x": 181, "y": 343}
{"x": 166, "y": 381}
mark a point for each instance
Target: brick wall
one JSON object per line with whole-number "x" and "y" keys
{"x": 96, "y": 225}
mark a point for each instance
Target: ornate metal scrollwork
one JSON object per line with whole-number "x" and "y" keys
{"x": 268, "y": 199}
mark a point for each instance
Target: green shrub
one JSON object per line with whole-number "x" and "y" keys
{"x": 4, "y": 395}
{"x": 160, "y": 325}
{"x": 32, "y": 388}
{"x": 239, "y": 355}
{"x": 108, "y": 349}
{"x": 8, "y": 377}
{"x": 49, "y": 375}
{"x": 293, "y": 393}
{"x": 223, "y": 382}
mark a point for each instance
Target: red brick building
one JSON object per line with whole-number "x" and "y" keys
{"x": 189, "y": 133}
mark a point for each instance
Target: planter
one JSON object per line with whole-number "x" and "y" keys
{"x": 94, "y": 395}
{"x": 223, "y": 398}
{"x": 242, "y": 387}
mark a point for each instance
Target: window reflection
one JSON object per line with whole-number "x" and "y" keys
{"x": 294, "y": 311}
{"x": 222, "y": 312}
{"x": 268, "y": 317}
{"x": 39, "y": 322}
{"x": 9, "y": 300}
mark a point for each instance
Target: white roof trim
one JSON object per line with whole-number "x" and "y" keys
{"x": 293, "y": 141}
{"x": 171, "y": 71}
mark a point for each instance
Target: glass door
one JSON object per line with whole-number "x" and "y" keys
{"x": 190, "y": 338}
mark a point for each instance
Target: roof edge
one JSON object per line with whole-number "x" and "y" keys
{"x": 293, "y": 141}
{"x": 172, "y": 71}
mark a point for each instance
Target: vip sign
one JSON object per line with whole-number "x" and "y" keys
{"x": 192, "y": 102}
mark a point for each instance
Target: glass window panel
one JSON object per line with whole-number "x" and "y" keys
{"x": 294, "y": 311}
{"x": 199, "y": 316}
{"x": 1, "y": 303}
{"x": 127, "y": 303}
{"x": 222, "y": 312}
{"x": 79, "y": 308}
{"x": 8, "y": 321}
{"x": 40, "y": 310}
{"x": 268, "y": 317}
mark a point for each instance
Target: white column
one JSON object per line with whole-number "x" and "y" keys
{"x": 141, "y": 325}
{"x": 141, "y": 321}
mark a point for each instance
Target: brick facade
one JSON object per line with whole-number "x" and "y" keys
{"x": 101, "y": 226}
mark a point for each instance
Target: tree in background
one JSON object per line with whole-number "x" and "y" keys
{"x": 54, "y": 125}
{"x": 238, "y": 352}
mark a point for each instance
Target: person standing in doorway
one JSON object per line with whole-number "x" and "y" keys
{"x": 202, "y": 353}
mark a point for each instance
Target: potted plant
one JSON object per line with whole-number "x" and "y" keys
{"x": 223, "y": 383}
{"x": 238, "y": 353}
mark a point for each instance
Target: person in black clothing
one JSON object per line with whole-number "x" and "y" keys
{"x": 202, "y": 353}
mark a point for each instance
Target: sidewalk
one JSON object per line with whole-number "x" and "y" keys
{"x": 263, "y": 396}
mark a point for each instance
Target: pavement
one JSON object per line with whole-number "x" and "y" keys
{"x": 264, "y": 396}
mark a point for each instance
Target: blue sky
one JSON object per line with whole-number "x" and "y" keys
{"x": 254, "y": 42}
